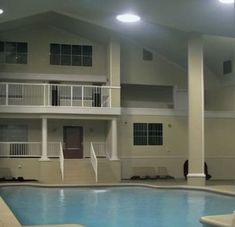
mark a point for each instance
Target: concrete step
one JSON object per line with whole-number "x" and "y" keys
{"x": 78, "y": 171}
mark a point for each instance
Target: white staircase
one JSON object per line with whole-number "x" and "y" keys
{"x": 78, "y": 171}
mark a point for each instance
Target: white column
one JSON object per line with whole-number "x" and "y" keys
{"x": 114, "y": 140}
{"x": 196, "y": 174}
{"x": 44, "y": 140}
{"x": 114, "y": 71}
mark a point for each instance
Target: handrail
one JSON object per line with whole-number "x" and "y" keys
{"x": 94, "y": 162}
{"x": 74, "y": 85}
{"x": 61, "y": 157}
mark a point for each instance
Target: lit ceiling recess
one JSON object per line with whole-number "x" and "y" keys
{"x": 227, "y": 1}
{"x": 1, "y": 11}
{"x": 128, "y": 18}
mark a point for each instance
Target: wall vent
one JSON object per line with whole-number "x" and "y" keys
{"x": 227, "y": 67}
{"x": 147, "y": 55}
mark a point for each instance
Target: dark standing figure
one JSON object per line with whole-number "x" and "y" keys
{"x": 208, "y": 176}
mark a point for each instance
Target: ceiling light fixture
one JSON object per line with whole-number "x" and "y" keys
{"x": 1, "y": 11}
{"x": 227, "y": 1}
{"x": 128, "y": 18}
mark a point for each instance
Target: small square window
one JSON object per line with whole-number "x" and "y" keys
{"x": 227, "y": 67}
{"x": 147, "y": 55}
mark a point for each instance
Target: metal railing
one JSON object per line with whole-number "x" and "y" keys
{"x": 94, "y": 162}
{"x": 28, "y": 149}
{"x": 61, "y": 157}
{"x": 33, "y": 94}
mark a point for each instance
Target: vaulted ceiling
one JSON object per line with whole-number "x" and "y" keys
{"x": 164, "y": 26}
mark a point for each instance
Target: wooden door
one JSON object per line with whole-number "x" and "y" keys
{"x": 73, "y": 136}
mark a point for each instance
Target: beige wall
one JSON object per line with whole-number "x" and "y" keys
{"x": 219, "y": 146}
{"x": 138, "y": 96}
{"x": 134, "y": 70}
{"x": 39, "y": 39}
{"x": 32, "y": 168}
{"x": 222, "y": 98}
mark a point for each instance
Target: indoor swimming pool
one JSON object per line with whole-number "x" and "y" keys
{"x": 114, "y": 206}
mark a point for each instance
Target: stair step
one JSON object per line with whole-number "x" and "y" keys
{"x": 78, "y": 171}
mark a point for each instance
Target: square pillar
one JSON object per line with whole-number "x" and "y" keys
{"x": 44, "y": 140}
{"x": 196, "y": 174}
{"x": 114, "y": 155}
{"x": 114, "y": 71}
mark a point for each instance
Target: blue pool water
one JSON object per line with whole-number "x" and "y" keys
{"x": 114, "y": 207}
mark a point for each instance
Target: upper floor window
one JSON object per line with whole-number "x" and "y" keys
{"x": 13, "y": 52}
{"x": 75, "y": 55}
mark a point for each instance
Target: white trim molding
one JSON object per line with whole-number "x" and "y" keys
{"x": 196, "y": 175}
{"x": 153, "y": 112}
{"x": 174, "y": 112}
{"x": 53, "y": 77}
{"x": 154, "y": 157}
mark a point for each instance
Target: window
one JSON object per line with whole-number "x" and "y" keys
{"x": 75, "y": 55}
{"x": 13, "y": 52}
{"x": 13, "y": 133}
{"x": 148, "y": 134}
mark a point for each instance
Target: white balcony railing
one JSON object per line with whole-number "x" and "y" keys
{"x": 29, "y": 94}
{"x": 28, "y": 149}
{"x": 20, "y": 149}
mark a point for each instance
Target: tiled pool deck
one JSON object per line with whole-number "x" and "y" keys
{"x": 7, "y": 218}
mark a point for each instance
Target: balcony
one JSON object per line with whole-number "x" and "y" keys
{"x": 57, "y": 98}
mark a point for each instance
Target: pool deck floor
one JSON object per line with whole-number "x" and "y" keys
{"x": 8, "y": 219}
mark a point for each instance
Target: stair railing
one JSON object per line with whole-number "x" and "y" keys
{"x": 94, "y": 162}
{"x": 61, "y": 157}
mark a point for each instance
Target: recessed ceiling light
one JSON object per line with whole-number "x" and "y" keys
{"x": 227, "y": 1}
{"x": 128, "y": 18}
{"x": 1, "y": 11}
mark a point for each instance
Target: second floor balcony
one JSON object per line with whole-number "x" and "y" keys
{"x": 59, "y": 98}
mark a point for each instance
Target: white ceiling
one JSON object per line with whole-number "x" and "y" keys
{"x": 164, "y": 26}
